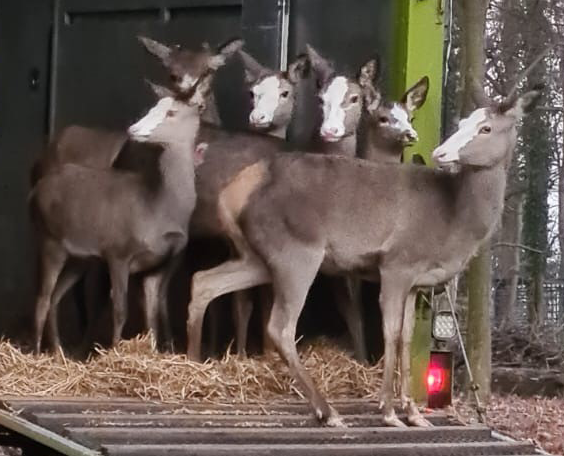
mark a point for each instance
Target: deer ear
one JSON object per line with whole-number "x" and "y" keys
{"x": 322, "y": 67}
{"x": 216, "y": 61}
{"x": 372, "y": 99}
{"x": 230, "y": 47}
{"x": 253, "y": 69}
{"x": 159, "y": 90}
{"x": 299, "y": 68}
{"x": 366, "y": 79}
{"x": 205, "y": 85}
{"x": 414, "y": 98}
{"x": 368, "y": 73}
{"x": 157, "y": 49}
{"x": 524, "y": 104}
{"x": 224, "y": 52}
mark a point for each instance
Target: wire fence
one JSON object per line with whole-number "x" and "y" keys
{"x": 553, "y": 303}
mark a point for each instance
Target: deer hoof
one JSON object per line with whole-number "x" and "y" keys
{"x": 418, "y": 420}
{"x": 334, "y": 420}
{"x": 392, "y": 419}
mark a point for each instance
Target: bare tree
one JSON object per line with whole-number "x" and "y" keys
{"x": 473, "y": 19}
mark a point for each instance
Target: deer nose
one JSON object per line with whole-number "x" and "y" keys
{"x": 331, "y": 130}
{"x": 411, "y": 136}
{"x": 259, "y": 117}
{"x": 439, "y": 154}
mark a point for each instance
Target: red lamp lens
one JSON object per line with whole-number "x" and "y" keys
{"x": 435, "y": 380}
{"x": 439, "y": 379}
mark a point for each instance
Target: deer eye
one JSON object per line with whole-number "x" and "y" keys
{"x": 485, "y": 129}
{"x": 285, "y": 94}
{"x": 354, "y": 99}
{"x": 175, "y": 78}
{"x": 383, "y": 119}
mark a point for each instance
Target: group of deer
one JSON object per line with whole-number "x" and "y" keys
{"x": 132, "y": 198}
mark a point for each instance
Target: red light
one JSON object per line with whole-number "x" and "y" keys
{"x": 439, "y": 379}
{"x": 435, "y": 380}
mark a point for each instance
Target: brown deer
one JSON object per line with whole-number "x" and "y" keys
{"x": 134, "y": 222}
{"x": 291, "y": 215}
{"x": 186, "y": 65}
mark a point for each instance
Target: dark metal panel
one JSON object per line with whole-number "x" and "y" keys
{"x": 24, "y": 61}
{"x": 261, "y": 30}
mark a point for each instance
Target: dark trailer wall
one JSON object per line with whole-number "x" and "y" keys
{"x": 78, "y": 61}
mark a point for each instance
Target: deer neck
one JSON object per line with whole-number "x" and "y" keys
{"x": 278, "y": 131}
{"x": 379, "y": 149}
{"x": 177, "y": 163}
{"x": 346, "y": 146}
{"x": 211, "y": 114}
{"x": 480, "y": 199}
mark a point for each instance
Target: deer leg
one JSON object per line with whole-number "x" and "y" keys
{"x": 119, "y": 276}
{"x": 393, "y": 294}
{"x": 163, "y": 302}
{"x": 53, "y": 259}
{"x": 265, "y": 298}
{"x": 151, "y": 285}
{"x": 67, "y": 279}
{"x": 242, "y": 309}
{"x": 95, "y": 301}
{"x": 291, "y": 285}
{"x": 349, "y": 307}
{"x": 413, "y": 415}
{"x": 207, "y": 285}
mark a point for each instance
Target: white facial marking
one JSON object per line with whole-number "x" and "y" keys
{"x": 186, "y": 82}
{"x": 400, "y": 120}
{"x": 266, "y": 96}
{"x": 141, "y": 131}
{"x": 467, "y": 129}
{"x": 333, "y": 126}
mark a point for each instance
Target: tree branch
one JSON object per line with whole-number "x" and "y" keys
{"x": 530, "y": 68}
{"x": 517, "y": 246}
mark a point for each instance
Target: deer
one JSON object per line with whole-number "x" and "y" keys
{"x": 134, "y": 222}
{"x": 185, "y": 66}
{"x": 287, "y": 225}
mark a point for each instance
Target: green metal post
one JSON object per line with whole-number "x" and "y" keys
{"x": 419, "y": 52}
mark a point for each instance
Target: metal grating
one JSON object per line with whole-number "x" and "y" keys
{"x": 131, "y": 427}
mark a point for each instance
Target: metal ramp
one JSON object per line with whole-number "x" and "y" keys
{"x": 126, "y": 427}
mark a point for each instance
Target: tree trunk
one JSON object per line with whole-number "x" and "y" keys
{"x": 478, "y": 338}
{"x": 479, "y": 271}
{"x": 509, "y": 260}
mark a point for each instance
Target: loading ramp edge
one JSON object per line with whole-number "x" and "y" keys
{"x": 43, "y": 436}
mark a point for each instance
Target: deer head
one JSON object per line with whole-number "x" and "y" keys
{"x": 168, "y": 120}
{"x": 486, "y": 137}
{"x": 342, "y": 101}
{"x": 273, "y": 92}
{"x": 392, "y": 121}
{"x": 185, "y": 66}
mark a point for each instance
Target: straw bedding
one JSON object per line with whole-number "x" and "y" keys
{"x": 134, "y": 369}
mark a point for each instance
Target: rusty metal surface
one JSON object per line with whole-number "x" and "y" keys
{"x": 131, "y": 427}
